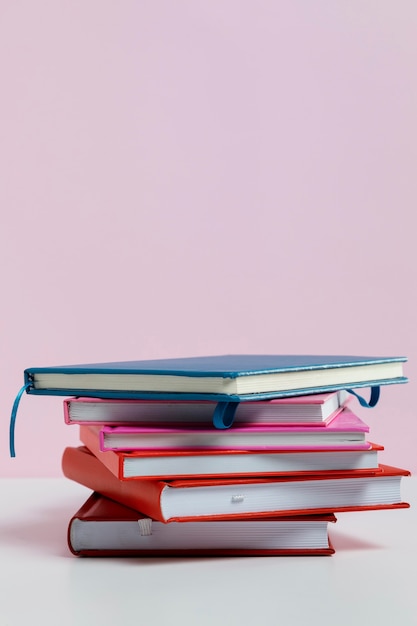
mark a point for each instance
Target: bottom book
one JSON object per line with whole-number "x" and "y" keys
{"x": 103, "y": 527}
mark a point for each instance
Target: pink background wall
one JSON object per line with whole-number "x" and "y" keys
{"x": 191, "y": 177}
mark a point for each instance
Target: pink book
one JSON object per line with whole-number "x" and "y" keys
{"x": 312, "y": 410}
{"x": 345, "y": 431}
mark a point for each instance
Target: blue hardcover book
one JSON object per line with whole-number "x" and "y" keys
{"x": 225, "y": 379}
{"x": 230, "y": 378}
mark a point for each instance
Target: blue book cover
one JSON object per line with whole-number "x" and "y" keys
{"x": 235, "y": 378}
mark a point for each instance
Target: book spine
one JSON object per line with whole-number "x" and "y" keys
{"x": 84, "y": 468}
{"x": 89, "y": 436}
{"x": 67, "y": 415}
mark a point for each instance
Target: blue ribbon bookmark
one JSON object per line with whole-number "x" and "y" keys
{"x": 224, "y": 414}
{"x": 375, "y": 392}
{"x": 13, "y": 418}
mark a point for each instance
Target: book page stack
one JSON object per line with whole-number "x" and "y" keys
{"x": 225, "y": 455}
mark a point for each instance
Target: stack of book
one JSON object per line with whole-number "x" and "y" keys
{"x": 226, "y": 455}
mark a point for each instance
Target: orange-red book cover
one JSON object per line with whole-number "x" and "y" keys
{"x": 175, "y": 463}
{"x": 195, "y": 498}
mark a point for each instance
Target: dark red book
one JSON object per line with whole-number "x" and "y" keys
{"x": 103, "y": 527}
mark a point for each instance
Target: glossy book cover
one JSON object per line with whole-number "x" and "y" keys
{"x": 224, "y": 377}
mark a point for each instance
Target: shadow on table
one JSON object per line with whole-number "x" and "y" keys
{"x": 46, "y": 533}
{"x": 344, "y": 542}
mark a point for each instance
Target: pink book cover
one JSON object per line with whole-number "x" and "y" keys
{"x": 205, "y": 409}
{"x": 315, "y": 398}
{"x": 345, "y": 431}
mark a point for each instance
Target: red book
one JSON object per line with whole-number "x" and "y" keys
{"x": 174, "y": 463}
{"x": 103, "y": 527}
{"x": 245, "y": 498}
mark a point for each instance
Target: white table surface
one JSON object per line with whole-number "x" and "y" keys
{"x": 372, "y": 578}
